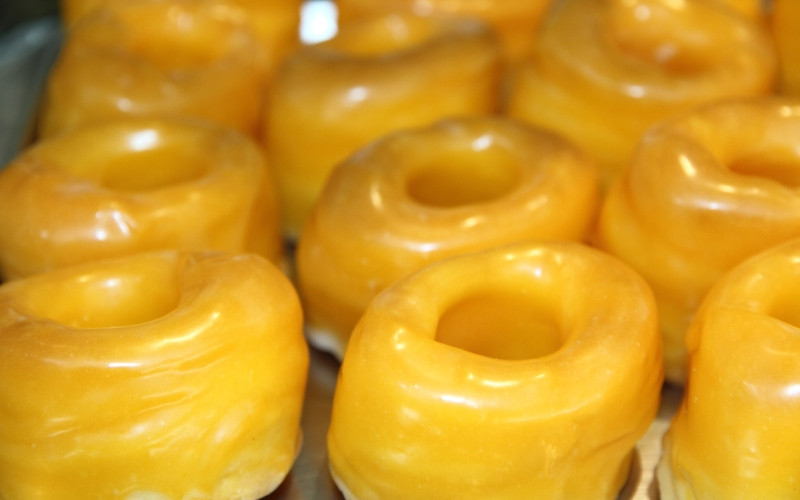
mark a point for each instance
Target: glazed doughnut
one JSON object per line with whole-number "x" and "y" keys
{"x": 151, "y": 57}
{"x": 606, "y": 70}
{"x": 735, "y": 434}
{"x": 514, "y": 22}
{"x": 275, "y": 22}
{"x": 150, "y": 376}
{"x": 785, "y": 21}
{"x": 524, "y": 371}
{"x": 420, "y": 195}
{"x": 135, "y": 185}
{"x": 373, "y": 77}
{"x": 704, "y": 192}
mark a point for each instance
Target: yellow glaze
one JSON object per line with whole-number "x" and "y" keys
{"x": 515, "y": 22}
{"x": 785, "y": 21}
{"x": 150, "y": 57}
{"x": 525, "y": 371}
{"x": 374, "y": 77}
{"x": 735, "y": 435}
{"x": 135, "y": 185}
{"x": 275, "y": 22}
{"x": 157, "y": 376}
{"x": 420, "y": 195}
{"x": 606, "y": 70}
{"x": 704, "y": 192}
{"x": 753, "y": 9}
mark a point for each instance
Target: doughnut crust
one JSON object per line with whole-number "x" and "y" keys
{"x": 420, "y": 195}
{"x": 523, "y": 371}
{"x": 154, "y": 376}
{"x": 703, "y": 192}
{"x": 134, "y": 185}
{"x": 735, "y": 435}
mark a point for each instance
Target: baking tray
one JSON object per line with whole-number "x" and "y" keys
{"x": 26, "y": 54}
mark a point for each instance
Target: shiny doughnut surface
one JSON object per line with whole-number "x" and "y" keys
{"x": 198, "y": 58}
{"x": 420, "y": 195}
{"x": 134, "y": 185}
{"x": 606, "y": 70}
{"x": 735, "y": 435}
{"x": 704, "y": 192}
{"x": 155, "y": 376}
{"x": 524, "y": 371}
{"x": 376, "y": 76}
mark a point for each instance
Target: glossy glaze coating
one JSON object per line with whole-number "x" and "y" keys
{"x": 420, "y": 195}
{"x": 135, "y": 185}
{"x": 275, "y": 22}
{"x": 703, "y": 193}
{"x": 196, "y": 58}
{"x": 784, "y": 21}
{"x": 165, "y": 375}
{"x": 514, "y": 22}
{"x": 606, "y": 70}
{"x": 524, "y": 371}
{"x": 735, "y": 435}
{"x": 753, "y": 9}
{"x": 374, "y": 77}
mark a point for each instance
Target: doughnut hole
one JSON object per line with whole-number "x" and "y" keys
{"x": 142, "y": 160}
{"x": 385, "y": 35}
{"x": 464, "y": 178}
{"x": 503, "y": 325}
{"x": 106, "y": 300}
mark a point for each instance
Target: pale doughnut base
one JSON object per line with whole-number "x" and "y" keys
{"x": 664, "y": 474}
{"x": 325, "y": 340}
{"x": 344, "y": 490}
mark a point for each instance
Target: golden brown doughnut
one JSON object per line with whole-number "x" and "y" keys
{"x": 704, "y": 192}
{"x": 420, "y": 195}
{"x": 156, "y": 58}
{"x": 154, "y": 376}
{"x": 135, "y": 185}
{"x": 606, "y": 70}
{"x": 735, "y": 434}
{"x": 374, "y": 77}
{"x": 523, "y": 371}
